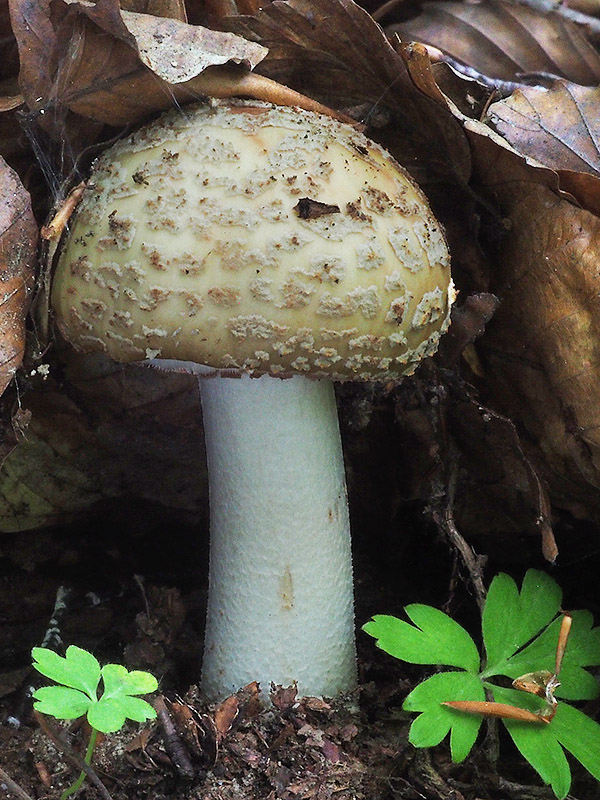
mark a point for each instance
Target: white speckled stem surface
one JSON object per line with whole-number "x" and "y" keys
{"x": 280, "y": 590}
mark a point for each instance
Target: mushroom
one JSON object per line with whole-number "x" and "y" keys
{"x": 284, "y": 249}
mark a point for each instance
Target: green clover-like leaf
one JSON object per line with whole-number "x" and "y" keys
{"x": 119, "y": 681}
{"x": 435, "y": 638}
{"x": 118, "y": 702}
{"x": 436, "y": 720}
{"x": 61, "y": 702}
{"x": 512, "y": 618}
{"x": 520, "y": 635}
{"x": 80, "y": 673}
{"x": 78, "y": 669}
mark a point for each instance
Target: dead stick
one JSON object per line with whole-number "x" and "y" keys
{"x": 13, "y": 787}
{"x": 63, "y": 745}
{"x": 174, "y": 746}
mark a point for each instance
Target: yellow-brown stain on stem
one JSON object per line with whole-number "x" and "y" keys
{"x": 286, "y": 589}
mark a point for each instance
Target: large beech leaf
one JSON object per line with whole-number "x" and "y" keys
{"x": 133, "y": 433}
{"x": 174, "y": 50}
{"x": 505, "y": 40}
{"x": 18, "y": 242}
{"x": 114, "y": 65}
{"x": 541, "y": 352}
{"x": 560, "y": 127}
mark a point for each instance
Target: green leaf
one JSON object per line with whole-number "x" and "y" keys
{"x": 118, "y": 681}
{"x": 107, "y": 715}
{"x": 577, "y": 684}
{"x": 61, "y": 702}
{"x": 511, "y": 619}
{"x": 580, "y": 735}
{"x": 78, "y": 669}
{"x": 436, "y": 720}
{"x": 436, "y": 639}
{"x": 583, "y": 649}
{"x": 137, "y": 709}
{"x": 537, "y": 743}
{"x": 117, "y": 703}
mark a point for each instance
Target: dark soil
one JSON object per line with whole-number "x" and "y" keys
{"x": 139, "y": 601}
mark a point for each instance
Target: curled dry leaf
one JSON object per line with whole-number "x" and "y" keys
{"x": 504, "y": 40}
{"x": 494, "y": 160}
{"x": 331, "y": 49}
{"x": 560, "y": 127}
{"x": 35, "y": 37}
{"x": 172, "y": 49}
{"x": 113, "y": 65}
{"x": 541, "y": 351}
{"x": 18, "y": 242}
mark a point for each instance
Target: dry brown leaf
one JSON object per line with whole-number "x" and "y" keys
{"x": 505, "y": 40}
{"x": 34, "y": 33}
{"x": 9, "y": 62}
{"x": 542, "y": 348}
{"x": 495, "y": 161}
{"x": 225, "y": 714}
{"x": 102, "y": 57}
{"x": 332, "y": 50}
{"x": 561, "y": 128}
{"x": 11, "y": 102}
{"x": 18, "y": 242}
{"x": 173, "y": 50}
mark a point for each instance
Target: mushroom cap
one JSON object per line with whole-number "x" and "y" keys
{"x": 255, "y": 238}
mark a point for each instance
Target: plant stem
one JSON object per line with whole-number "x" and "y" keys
{"x": 88, "y": 760}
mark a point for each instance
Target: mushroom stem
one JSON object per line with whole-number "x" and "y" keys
{"x": 280, "y": 606}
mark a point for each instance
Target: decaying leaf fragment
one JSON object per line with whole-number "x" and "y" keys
{"x": 113, "y": 433}
{"x": 542, "y": 349}
{"x": 18, "y": 240}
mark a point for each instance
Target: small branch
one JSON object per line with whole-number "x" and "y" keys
{"x": 63, "y": 745}
{"x": 13, "y": 787}
{"x": 445, "y": 521}
{"x": 379, "y": 13}
{"x": 176, "y": 749}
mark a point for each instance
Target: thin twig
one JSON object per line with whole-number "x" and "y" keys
{"x": 71, "y": 755}
{"x": 13, "y": 787}
{"x": 175, "y": 747}
{"x": 445, "y": 521}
